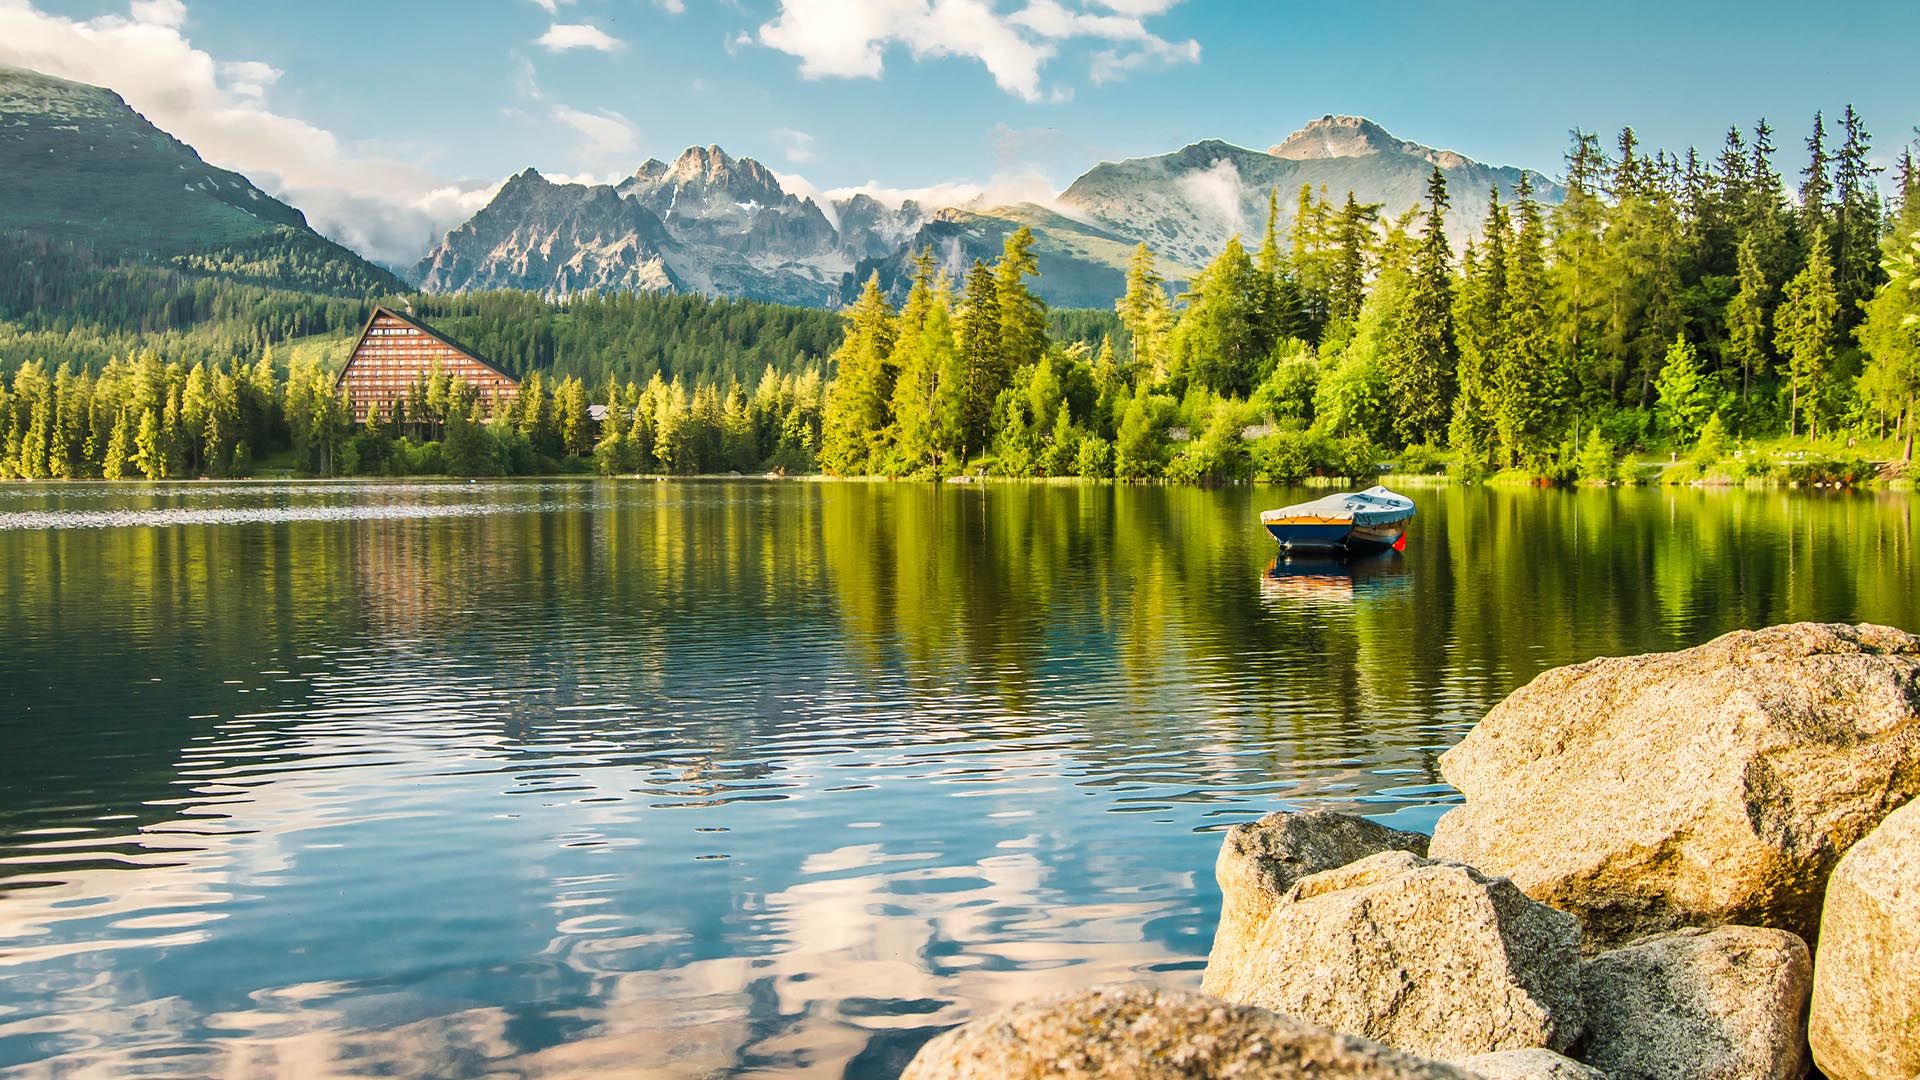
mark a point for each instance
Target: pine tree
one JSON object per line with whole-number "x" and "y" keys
{"x": 980, "y": 354}
{"x": 1479, "y": 308}
{"x": 119, "y": 448}
{"x": 1423, "y": 348}
{"x": 857, "y": 401}
{"x": 1144, "y": 311}
{"x": 1803, "y": 328}
{"x": 149, "y": 450}
{"x": 1816, "y": 184}
{"x": 1747, "y": 317}
{"x": 1353, "y": 250}
{"x": 1686, "y": 395}
{"x": 1857, "y": 221}
{"x": 1531, "y": 379}
{"x": 1023, "y": 316}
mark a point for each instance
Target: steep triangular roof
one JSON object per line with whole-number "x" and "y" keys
{"x": 382, "y": 309}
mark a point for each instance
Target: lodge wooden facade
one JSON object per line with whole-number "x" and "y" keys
{"x": 395, "y": 351}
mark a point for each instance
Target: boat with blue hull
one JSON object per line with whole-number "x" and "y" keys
{"x": 1370, "y": 520}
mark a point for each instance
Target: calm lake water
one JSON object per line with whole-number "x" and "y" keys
{"x": 744, "y": 778}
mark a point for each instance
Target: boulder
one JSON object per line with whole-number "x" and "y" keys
{"x": 1865, "y": 1021}
{"x": 1260, "y": 860}
{"x": 1695, "y": 1004}
{"x": 1429, "y": 957}
{"x": 1144, "y": 1033}
{"x": 1529, "y": 1065}
{"x": 1715, "y": 785}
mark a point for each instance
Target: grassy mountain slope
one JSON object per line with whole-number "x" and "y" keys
{"x": 78, "y": 167}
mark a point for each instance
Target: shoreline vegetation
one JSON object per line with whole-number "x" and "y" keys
{"x": 1671, "y": 307}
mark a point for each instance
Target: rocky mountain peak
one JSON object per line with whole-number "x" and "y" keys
{"x": 1333, "y": 136}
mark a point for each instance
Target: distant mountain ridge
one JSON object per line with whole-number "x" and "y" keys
{"x": 79, "y": 166}
{"x": 713, "y": 223}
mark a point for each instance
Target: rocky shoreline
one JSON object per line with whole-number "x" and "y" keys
{"x": 1701, "y": 865}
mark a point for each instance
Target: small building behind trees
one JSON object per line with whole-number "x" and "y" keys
{"x": 396, "y": 352}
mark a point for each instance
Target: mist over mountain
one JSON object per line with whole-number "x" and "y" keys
{"x": 83, "y": 167}
{"x": 716, "y": 223}
{"x": 79, "y": 167}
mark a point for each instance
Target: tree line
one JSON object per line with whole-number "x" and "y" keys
{"x": 1666, "y": 300}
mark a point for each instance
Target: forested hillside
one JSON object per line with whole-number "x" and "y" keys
{"x": 1703, "y": 308}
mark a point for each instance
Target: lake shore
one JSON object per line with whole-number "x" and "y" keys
{"x": 1618, "y": 896}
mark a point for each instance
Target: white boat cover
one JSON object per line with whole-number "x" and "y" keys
{"x": 1374, "y": 506}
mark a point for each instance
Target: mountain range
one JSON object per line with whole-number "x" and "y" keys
{"x": 80, "y": 166}
{"x": 713, "y": 223}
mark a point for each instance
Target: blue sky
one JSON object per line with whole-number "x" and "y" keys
{"x": 425, "y": 105}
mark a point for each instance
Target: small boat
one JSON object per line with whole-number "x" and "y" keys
{"x": 1370, "y": 520}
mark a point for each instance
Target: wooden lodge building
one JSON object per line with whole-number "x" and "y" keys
{"x": 396, "y": 350}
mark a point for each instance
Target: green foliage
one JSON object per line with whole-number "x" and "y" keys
{"x": 1421, "y": 460}
{"x": 1597, "y": 462}
{"x": 1686, "y": 396}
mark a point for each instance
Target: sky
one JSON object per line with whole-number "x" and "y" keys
{"x": 390, "y": 123}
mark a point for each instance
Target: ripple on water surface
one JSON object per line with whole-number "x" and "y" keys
{"x": 738, "y": 778}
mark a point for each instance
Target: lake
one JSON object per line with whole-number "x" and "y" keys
{"x": 744, "y": 778}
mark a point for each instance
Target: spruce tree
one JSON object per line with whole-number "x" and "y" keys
{"x": 1857, "y": 220}
{"x": 1747, "y": 317}
{"x": 1023, "y": 316}
{"x": 1479, "y": 309}
{"x": 1145, "y": 312}
{"x": 1803, "y": 329}
{"x": 1423, "y": 347}
{"x": 862, "y": 386}
{"x": 1531, "y": 379}
{"x": 1816, "y": 183}
{"x": 981, "y": 358}
{"x": 1686, "y": 394}
{"x": 119, "y": 448}
{"x": 1353, "y": 251}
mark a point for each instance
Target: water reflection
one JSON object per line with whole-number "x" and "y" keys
{"x": 741, "y": 779}
{"x": 1320, "y": 580}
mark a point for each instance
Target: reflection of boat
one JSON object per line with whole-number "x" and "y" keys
{"x": 1370, "y": 520}
{"x": 1328, "y": 579}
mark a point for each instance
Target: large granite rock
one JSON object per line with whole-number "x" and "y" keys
{"x": 1865, "y": 1021}
{"x": 1695, "y": 1004}
{"x": 1716, "y": 785}
{"x": 1429, "y": 957}
{"x": 1260, "y": 860}
{"x": 1529, "y": 1065}
{"x": 1143, "y": 1033}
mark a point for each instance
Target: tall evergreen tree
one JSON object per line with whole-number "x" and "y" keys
{"x": 1423, "y": 348}
{"x": 1803, "y": 329}
{"x": 1023, "y": 315}
{"x": 1146, "y": 314}
{"x": 863, "y": 386}
{"x": 1747, "y": 317}
{"x": 1479, "y": 308}
{"x": 1816, "y": 183}
{"x": 1530, "y": 372}
{"x": 1857, "y": 220}
{"x": 981, "y": 357}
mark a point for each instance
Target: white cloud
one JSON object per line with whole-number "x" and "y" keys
{"x": 604, "y": 135}
{"x": 384, "y": 207}
{"x": 561, "y": 37}
{"x": 1221, "y": 193}
{"x": 159, "y": 12}
{"x": 796, "y": 145}
{"x": 849, "y": 38}
{"x": 672, "y": 7}
{"x": 551, "y": 7}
